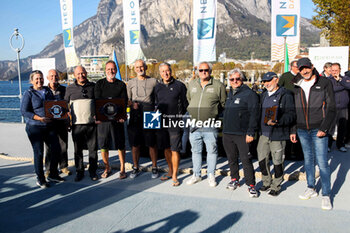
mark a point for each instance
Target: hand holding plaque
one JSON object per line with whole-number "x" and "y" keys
{"x": 270, "y": 114}
{"x": 56, "y": 109}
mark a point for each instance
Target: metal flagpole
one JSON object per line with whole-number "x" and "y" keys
{"x": 18, "y": 50}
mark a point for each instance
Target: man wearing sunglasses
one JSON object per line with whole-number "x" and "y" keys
{"x": 277, "y": 116}
{"x": 81, "y": 99}
{"x": 241, "y": 117}
{"x": 315, "y": 110}
{"x": 206, "y": 97}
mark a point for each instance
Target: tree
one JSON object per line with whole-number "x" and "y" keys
{"x": 333, "y": 18}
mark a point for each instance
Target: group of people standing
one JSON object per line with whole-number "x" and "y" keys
{"x": 301, "y": 104}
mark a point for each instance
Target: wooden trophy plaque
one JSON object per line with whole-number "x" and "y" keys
{"x": 270, "y": 114}
{"x": 110, "y": 109}
{"x": 56, "y": 109}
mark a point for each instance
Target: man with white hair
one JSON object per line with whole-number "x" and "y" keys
{"x": 141, "y": 99}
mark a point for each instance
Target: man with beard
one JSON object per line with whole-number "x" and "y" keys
{"x": 274, "y": 131}
{"x": 315, "y": 109}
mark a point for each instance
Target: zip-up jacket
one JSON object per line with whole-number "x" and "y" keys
{"x": 285, "y": 114}
{"x": 33, "y": 104}
{"x": 170, "y": 99}
{"x": 320, "y": 110}
{"x": 81, "y": 100}
{"x": 340, "y": 89}
{"x": 207, "y": 102}
{"x": 241, "y": 115}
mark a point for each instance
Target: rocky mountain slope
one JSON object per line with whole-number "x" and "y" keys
{"x": 243, "y": 27}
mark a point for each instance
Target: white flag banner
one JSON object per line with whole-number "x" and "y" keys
{"x": 67, "y": 27}
{"x": 285, "y": 23}
{"x": 44, "y": 65}
{"x": 204, "y": 30}
{"x": 132, "y": 31}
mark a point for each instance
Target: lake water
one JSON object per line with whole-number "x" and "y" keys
{"x": 11, "y": 88}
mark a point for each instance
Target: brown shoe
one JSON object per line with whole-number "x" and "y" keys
{"x": 66, "y": 171}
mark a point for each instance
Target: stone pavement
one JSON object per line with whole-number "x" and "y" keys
{"x": 150, "y": 205}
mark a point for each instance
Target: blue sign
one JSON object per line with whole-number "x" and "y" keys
{"x": 151, "y": 120}
{"x": 205, "y": 28}
{"x": 286, "y": 25}
{"x": 67, "y": 38}
{"x": 134, "y": 37}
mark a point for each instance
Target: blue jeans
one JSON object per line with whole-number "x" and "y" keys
{"x": 209, "y": 137}
{"x": 37, "y": 136}
{"x": 315, "y": 148}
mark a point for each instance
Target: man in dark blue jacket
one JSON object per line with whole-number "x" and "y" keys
{"x": 341, "y": 85}
{"x": 240, "y": 125}
{"x": 277, "y": 115}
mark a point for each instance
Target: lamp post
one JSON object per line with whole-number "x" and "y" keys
{"x": 18, "y": 37}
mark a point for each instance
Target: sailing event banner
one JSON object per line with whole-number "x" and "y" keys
{"x": 285, "y": 27}
{"x": 132, "y": 31}
{"x": 67, "y": 27}
{"x": 204, "y": 30}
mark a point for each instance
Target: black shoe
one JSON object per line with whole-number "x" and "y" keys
{"x": 93, "y": 177}
{"x": 273, "y": 193}
{"x": 264, "y": 188}
{"x": 79, "y": 177}
{"x": 42, "y": 184}
{"x": 56, "y": 179}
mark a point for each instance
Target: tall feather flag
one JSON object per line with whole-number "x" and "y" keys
{"x": 286, "y": 60}
{"x": 118, "y": 76}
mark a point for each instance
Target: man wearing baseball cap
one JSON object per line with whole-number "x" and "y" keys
{"x": 277, "y": 116}
{"x": 315, "y": 109}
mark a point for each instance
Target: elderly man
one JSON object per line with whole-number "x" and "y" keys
{"x": 286, "y": 78}
{"x": 341, "y": 85}
{"x": 278, "y": 102}
{"x": 206, "y": 97}
{"x": 60, "y": 126}
{"x": 327, "y": 70}
{"x": 315, "y": 110}
{"x": 141, "y": 98}
{"x": 170, "y": 99}
{"x": 81, "y": 99}
{"x": 111, "y": 131}
{"x": 241, "y": 117}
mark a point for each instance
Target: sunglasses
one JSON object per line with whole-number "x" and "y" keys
{"x": 203, "y": 70}
{"x": 235, "y": 79}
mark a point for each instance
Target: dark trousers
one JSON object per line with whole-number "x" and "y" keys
{"x": 85, "y": 136}
{"x": 60, "y": 128}
{"x": 38, "y": 135}
{"x": 341, "y": 122}
{"x": 235, "y": 146}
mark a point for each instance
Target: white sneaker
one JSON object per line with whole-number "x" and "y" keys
{"x": 194, "y": 179}
{"x": 326, "y": 203}
{"x": 309, "y": 192}
{"x": 343, "y": 149}
{"x": 211, "y": 180}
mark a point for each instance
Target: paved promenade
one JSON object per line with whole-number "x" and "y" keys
{"x": 150, "y": 205}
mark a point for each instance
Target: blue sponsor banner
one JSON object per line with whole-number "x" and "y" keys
{"x": 67, "y": 38}
{"x": 205, "y": 28}
{"x": 134, "y": 37}
{"x": 286, "y": 25}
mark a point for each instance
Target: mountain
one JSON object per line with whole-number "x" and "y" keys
{"x": 243, "y": 27}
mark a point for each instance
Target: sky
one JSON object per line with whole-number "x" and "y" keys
{"x": 39, "y": 21}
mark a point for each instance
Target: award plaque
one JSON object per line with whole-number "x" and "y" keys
{"x": 270, "y": 114}
{"x": 56, "y": 109}
{"x": 110, "y": 109}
